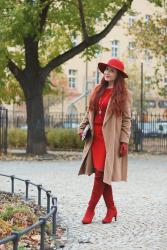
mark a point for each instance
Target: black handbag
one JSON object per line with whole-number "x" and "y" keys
{"x": 86, "y": 132}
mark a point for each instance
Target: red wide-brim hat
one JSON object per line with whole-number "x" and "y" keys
{"x": 114, "y": 63}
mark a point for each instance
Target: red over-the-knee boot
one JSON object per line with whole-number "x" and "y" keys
{"x": 111, "y": 209}
{"x": 97, "y": 192}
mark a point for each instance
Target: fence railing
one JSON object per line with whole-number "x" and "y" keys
{"x": 51, "y": 212}
{"x": 149, "y": 132}
{"x": 57, "y": 120}
{"x": 54, "y": 120}
{"x": 3, "y": 129}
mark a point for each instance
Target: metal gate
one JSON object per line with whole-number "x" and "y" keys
{"x": 3, "y": 129}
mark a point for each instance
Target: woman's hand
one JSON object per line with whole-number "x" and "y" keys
{"x": 80, "y": 134}
{"x": 123, "y": 149}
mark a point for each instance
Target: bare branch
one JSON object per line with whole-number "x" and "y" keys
{"x": 83, "y": 24}
{"x": 86, "y": 43}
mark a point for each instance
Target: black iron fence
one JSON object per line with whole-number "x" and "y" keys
{"x": 51, "y": 212}
{"x": 17, "y": 119}
{"x": 3, "y": 129}
{"x": 59, "y": 120}
{"x": 54, "y": 120}
{"x": 149, "y": 132}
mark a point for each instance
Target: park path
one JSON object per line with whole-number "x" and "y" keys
{"x": 141, "y": 202}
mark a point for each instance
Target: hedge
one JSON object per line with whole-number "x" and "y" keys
{"x": 57, "y": 138}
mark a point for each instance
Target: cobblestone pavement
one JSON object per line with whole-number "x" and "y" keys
{"x": 141, "y": 202}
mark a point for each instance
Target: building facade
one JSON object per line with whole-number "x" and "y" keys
{"x": 83, "y": 76}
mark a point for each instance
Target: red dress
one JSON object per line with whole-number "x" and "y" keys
{"x": 98, "y": 145}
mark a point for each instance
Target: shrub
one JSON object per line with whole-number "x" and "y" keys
{"x": 17, "y": 138}
{"x": 57, "y": 138}
{"x": 63, "y": 138}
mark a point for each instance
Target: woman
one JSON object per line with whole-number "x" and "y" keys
{"x": 105, "y": 152}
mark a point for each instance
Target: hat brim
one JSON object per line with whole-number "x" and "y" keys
{"x": 102, "y": 67}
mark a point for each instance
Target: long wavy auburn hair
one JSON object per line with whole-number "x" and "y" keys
{"x": 118, "y": 95}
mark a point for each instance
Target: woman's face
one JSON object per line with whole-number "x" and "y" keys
{"x": 110, "y": 74}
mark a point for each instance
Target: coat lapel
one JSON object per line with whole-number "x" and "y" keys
{"x": 107, "y": 113}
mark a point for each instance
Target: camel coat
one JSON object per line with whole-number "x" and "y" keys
{"x": 115, "y": 129}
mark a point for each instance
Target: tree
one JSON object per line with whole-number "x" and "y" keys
{"x": 37, "y": 37}
{"x": 151, "y": 38}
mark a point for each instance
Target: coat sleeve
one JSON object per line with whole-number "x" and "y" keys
{"x": 126, "y": 120}
{"x": 85, "y": 120}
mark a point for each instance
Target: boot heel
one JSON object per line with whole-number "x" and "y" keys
{"x": 109, "y": 216}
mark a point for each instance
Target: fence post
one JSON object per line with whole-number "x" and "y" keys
{"x": 42, "y": 242}
{"x": 39, "y": 194}
{"x": 54, "y": 220}
{"x": 15, "y": 241}
{"x": 27, "y": 185}
{"x": 6, "y": 133}
{"x": 54, "y": 202}
{"x": 3, "y": 129}
{"x": 0, "y": 129}
{"x": 48, "y": 200}
{"x": 12, "y": 180}
{"x": 142, "y": 132}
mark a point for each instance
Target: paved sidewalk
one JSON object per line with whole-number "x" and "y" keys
{"x": 141, "y": 202}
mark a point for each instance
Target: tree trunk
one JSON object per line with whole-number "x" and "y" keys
{"x": 36, "y": 140}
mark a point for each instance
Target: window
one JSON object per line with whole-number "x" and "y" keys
{"x": 74, "y": 41}
{"x": 131, "y": 48}
{"x": 147, "y": 80}
{"x": 151, "y": 104}
{"x": 165, "y": 83}
{"x": 114, "y": 48}
{"x": 162, "y": 104}
{"x": 131, "y": 20}
{"x": 165, "y": 80}
{"x": 165, "y": 59}
{"x": 97, "y": 54}
{"x": 164, "y": 30}
{"x": 165, "y": 4}
{"x": 147, "y": 19}
{"x": 147, "y": 55}
{"x": 72, "y": 78}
